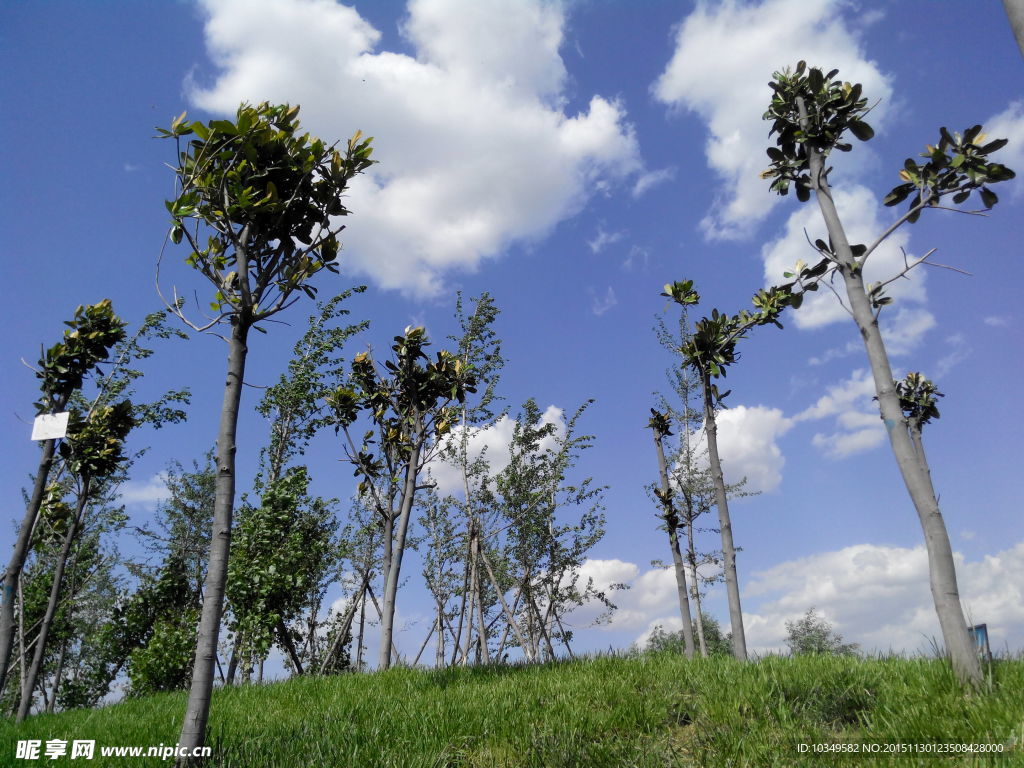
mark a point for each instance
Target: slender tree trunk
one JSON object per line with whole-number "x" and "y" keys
{"x": 672, "y": 524}
{"x": 732, "y": 587}
{"x": 941, "y": 567}
{"x": 286, "y": 641}
{"x": 197, "y": 712}
{"x": 233, "y": 662}
{"x": 482, "y": 632}
{"x": 510, "y": 613}
{"x": 12, "y": 575}
{"x": 362, "y": 628}
{"x": 465, "y": 596}
{"x": 691, "y": 556}
{"x": 51, "y": 702}
{"x": 387, "y": 622}
{"x": 51, "y": 606}
{"x": 1015, "y": 12}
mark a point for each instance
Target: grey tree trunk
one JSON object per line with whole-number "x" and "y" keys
{"x": 1015, "y": 13}
{"x": 941, "y": 567}
{"x": 197, "y": 711}
{"x": 691, "y": 557}
{"x": 32, "y": 676}
{"x": 387, "y": 622}
{"x": 17, "y": 563}
{"x": 732, "y": 587}
{"x": 672, "y": 523}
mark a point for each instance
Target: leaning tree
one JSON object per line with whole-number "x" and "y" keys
{"x": 257, "y": 204}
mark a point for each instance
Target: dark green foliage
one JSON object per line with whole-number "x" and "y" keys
{"x": 269, "y": 192}
{"x": 956, "y": 165}
{"x": 280, "y": 554}
{"x": 95, "y": 329}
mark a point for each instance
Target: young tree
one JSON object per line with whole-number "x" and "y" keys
{"x": 410, "y": 408}
{"x": 709, "y": 351}
{"x": 93, "y": 450}
{"x": 812, "y": 634}
{"x": 265, "y": 197}
{"x": 545, "y": 542}
{"x": 94, "y": 330}
{"x": 660, "y": 425}
{"x": 810, "y": 113}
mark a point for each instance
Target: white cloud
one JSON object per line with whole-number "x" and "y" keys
{"x": 904, "y": 329}
{"x": 147, "y": 492}
{"x": 958, "y": 351}
{"x": 603, "y": 239}
{"x": 1009, "y": 124}
{"x": 747, "y": 445}
{"x": 601, "y": 304}
{"x": 638, "y": 255}
{"x": 874, "y": 595}
{"x": 493, "y": 443}
{"x": 724, "y": 57}
{"x": 879, "y": 596}
{"x": 850, "y": 404}
{"x": 860, "y": 212}
{"x": 997, "y": 321}
{"x": 476, "y": 150}
{"x": 651, "y": 179}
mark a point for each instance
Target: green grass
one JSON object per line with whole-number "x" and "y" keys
{"x": 642, "y": 711}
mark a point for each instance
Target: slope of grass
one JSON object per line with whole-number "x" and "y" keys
{"x": 644, "y": 711}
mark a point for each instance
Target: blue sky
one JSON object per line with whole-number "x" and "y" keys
{"x": 570, "y": 159}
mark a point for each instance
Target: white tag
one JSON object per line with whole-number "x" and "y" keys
{"x": 50, "y": 426}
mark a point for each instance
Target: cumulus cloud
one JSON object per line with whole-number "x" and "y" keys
{"x": 850, "y": 404}
{"x": 146, "y": 492}
{"x": 476, "y": 149}
{"x": 874, "y": 595}
{"x": 492, "y": 443}
{"x": 879, "y": 596}
{"x": 747, "y": 445}
{"x": 725, "y": 55}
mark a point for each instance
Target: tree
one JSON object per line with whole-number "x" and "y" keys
{"x": 709, "y": 351}
{"x": 294, "y": 406}
{"x": 812, "y": 634}
{"x": 411, "y": 407}
{"x": 661, "y": 427}
{"x": 672, "y": 642}
{"x": 92, "y": 451}
{"x": 155, "y": 631}
{"x": 810, "y": 113}
{"x": 280, "y": 553}
{"x": 545, "y": 539}
{"x": 265, "y": 196}
{"x": 94, "y": 330}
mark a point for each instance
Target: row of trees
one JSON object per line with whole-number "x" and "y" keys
{"x": 257, "y": 207}
{"x": 811, "y": 113}
{"x": 257, "y": 204}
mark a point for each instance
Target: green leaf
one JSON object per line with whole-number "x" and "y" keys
{"x": 988, "y": 197}
{"x": 861, "y": 130}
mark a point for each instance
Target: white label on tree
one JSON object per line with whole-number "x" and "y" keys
{"x": 50, "y": 426}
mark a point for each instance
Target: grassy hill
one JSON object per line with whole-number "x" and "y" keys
{"x": 643, "y": 711}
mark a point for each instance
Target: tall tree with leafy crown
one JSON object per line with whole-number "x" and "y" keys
{"x": 257, "y": 202}
{"x": 811, "y": 112}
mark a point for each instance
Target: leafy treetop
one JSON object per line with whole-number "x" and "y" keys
{"x": 268, "y": 194}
